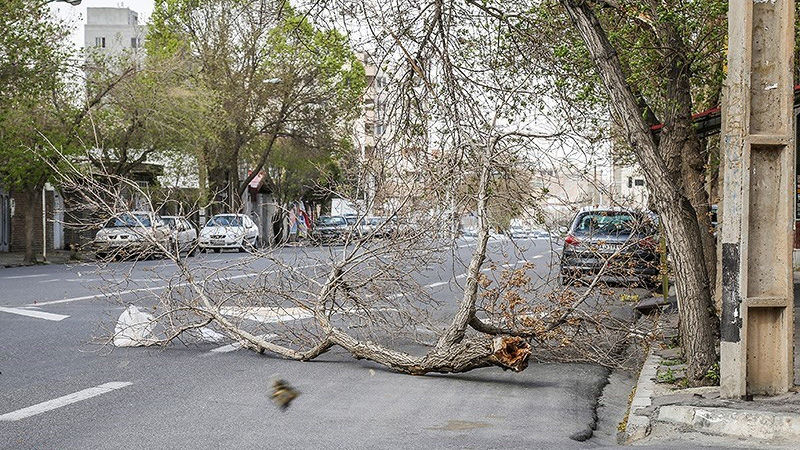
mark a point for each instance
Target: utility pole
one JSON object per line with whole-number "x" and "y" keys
{"x": 758, "y": 149}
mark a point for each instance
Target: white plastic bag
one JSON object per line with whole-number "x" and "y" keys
{"x": 134, "y": 328}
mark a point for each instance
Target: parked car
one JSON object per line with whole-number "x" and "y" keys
{"x": 625, "y": 239}
{"x": 540, "y": 234}
{"x": 517, "y": 232}
{"x": 137, "y": 233}
{"x": 330, "y": 229}
{"x": 469, "y": 232}
{"x": 229, "y": 231}
{"x": 376, "y": 227}
{"x": 183, "y": 234}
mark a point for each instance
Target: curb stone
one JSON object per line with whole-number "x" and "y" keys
{"x": 741, "y": 423}
{"x": 638, "y": 424}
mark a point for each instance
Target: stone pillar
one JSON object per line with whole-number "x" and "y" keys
{"x": 759, "y": 156}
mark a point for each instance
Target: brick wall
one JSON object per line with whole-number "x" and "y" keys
{"x": 18, "y": 223}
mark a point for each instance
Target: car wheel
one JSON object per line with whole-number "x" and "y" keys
{"x": 217, "y": 250}
{"x": 193, "y": 249}
{"x": 99, "y": 255}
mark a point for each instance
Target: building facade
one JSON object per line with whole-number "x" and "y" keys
{"x": 113, "y": 31}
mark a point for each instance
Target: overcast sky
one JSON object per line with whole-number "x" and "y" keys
{"x": 76, "y": 15}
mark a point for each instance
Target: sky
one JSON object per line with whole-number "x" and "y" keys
{"x": 76, "y": 15}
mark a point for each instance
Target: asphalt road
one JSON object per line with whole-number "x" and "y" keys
{"x": 60, "y": 389}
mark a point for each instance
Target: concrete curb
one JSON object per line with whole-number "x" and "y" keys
{"x": 731, "y": 422}
{"x": 638, "y": 425}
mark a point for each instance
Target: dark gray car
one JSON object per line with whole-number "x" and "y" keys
{"x": 620, "y": 243}
{"x": 329, "y": 229}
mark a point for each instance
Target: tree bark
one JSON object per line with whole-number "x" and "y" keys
{"x": 698, "y": 324}
{"x": 32, "y": 201}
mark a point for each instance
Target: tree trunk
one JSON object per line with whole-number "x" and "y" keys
{"x": 698, "y": 324}
{"x": 698, "y": 321}
{"x": 32, "y": 201}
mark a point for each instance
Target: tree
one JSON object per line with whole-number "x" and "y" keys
{"x": 38, "y": 107}
{"x": 365, "y": 297}
{"x": 152, "y": 113}
{"x": 33, "y": 58}
{"x": 297, "y": 171}
{"x": 657, "y": 62}
{"x": 648, "y": 63}
{"x": 274, "y": 76}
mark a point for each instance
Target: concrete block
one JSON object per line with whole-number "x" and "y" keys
{"x": 676, "y": 414}
{"x": 761, "y": 425}
{"x": 637, "y": 428}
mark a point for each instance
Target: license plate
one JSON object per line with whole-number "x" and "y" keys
{"x": 217, "y": 242}
{"x": 608, "y": 247}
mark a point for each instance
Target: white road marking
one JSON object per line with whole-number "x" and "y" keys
{"x": 62, "y": 401}
{"x": 265, "y": 314}
{"x": 538, "y": 256}
{"x": 238, "y": 345}
{"x": 437, "y": 284}
{"x": 17, "y": 277}
{"x": 37, "y": 314}
{"x": 157, "y": 288}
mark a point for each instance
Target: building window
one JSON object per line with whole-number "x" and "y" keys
{"x": 630, "y": 182}
{"x": 100, "y": 42}
{"x": 639, "y": 182}
{"x": 136, "y": 42}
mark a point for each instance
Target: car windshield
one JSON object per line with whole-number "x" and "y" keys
{"x": 351, "y": 220}
{"x": 170, "y": 221}
{"x": 327, "y": 221}
{"x": 129, "y": 220}
{"x": 225, "y": 221}
{"x": 607, "y": 223}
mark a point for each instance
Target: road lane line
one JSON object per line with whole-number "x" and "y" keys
{"x": 158, "y": 288}
{"x": 266, "y": 314}
{"x": 17, "y": 277}
{"x": 238, "y": 345}
{"x": 37, "y": 314}
{"x": 62, "y": 401}
{"x": 538, "y": 256}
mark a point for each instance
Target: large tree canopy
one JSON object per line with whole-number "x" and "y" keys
{"x": 272, "y": 74}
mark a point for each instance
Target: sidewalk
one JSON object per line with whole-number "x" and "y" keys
{"x": 15, "y": 259}
{"x": 663, "y": 413}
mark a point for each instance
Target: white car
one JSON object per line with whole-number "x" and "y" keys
{"x": 229, "y": 231}
{"x": 184, "y": 236}
{"x": 137, "y": 233}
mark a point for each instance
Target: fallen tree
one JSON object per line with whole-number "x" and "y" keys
{"x": 452, "y": 149}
